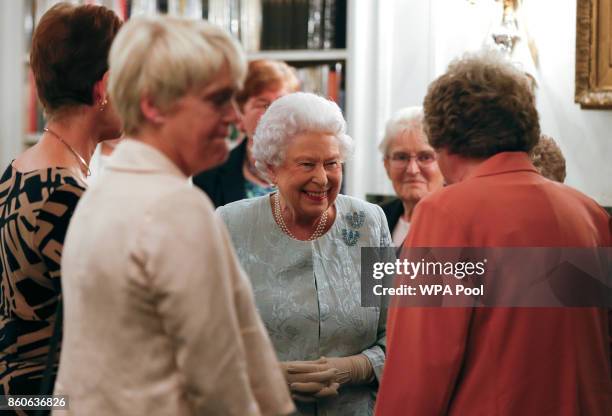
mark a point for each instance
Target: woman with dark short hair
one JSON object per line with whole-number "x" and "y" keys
{"x": 41, "y": 187}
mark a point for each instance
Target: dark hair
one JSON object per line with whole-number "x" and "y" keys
{"x": 480, "y": 107}
{"x": 69, "y": 53}
{"x": 263, "y": 74}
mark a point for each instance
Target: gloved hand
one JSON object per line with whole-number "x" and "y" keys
{"x": 352, "y": 370}
{"x": 310, "y": 380}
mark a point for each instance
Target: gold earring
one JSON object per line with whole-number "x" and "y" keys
{"x": 103, "y": 104}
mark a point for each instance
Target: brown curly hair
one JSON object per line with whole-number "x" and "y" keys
{"x": 548, "y": 159}
{"x": 481, "y": 106}
{"x": 266, "y": 74}
{"x": 69, "y": 54}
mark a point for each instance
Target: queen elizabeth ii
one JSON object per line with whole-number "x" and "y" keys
{"x": 301, "y": 248}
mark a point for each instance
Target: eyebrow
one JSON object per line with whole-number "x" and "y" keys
{"x": 227, "y": 91}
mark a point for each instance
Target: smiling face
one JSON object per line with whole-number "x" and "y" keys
{"x": 310, "y": 175}
{"x": 197, "y": 125}
{"x": 412, "y": 167}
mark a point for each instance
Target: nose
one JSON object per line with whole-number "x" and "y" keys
{"x": 231, "y": 114}
{"x": 319, "y": 175}
{"x": 413, "y": 166}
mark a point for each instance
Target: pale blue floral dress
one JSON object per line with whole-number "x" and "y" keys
{"x": 308, "y": 293}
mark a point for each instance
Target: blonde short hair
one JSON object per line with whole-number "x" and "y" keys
{"x": 165, "y": 58}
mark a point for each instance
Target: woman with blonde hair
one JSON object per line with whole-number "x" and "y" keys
{"x": 157, "y": 322}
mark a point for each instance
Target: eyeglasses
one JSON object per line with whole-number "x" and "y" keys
{"x": 401, "y": 160}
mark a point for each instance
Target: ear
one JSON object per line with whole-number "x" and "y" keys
{"x": 150, "y": 111}
{"x": 100, "y": 93}
{"x": 387, "y": 165}
{"x": 271, "y": 172}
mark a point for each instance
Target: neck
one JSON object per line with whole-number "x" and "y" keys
{"x": 78, "y": 133}
{"x": 408, "y": 209}
{"x": 300, "y": 228}
{"x": 153, "y": 136}
{"x": 250, "y": 171}
{"x": 460, "y": 167}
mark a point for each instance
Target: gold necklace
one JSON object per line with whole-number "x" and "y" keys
{"x": 318, "y": 232}
{"x": 74, "y": 152}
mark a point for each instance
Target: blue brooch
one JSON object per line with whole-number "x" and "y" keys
{"x": 350, "y": 237}
{"x": 355, "y": 219}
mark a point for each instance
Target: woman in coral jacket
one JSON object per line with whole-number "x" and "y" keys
{"x": 481, "y": 119}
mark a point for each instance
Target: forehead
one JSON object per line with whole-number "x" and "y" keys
{"x": 313, "y": 145}
{"x": 270, "y": 94}
{"x": 410, "y": 141}
{"x": 223, "y": 81}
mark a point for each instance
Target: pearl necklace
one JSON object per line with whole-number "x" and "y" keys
{"x": 74, "y": 152}
{"x": 318, "y": 232}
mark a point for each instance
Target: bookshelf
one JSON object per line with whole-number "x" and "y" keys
{"x": 308, "y": 34}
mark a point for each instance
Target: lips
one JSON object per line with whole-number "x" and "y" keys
{"x": 316, "y": 195}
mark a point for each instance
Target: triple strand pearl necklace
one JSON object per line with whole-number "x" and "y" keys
{"x": 318, "y": 232}
{"x": 74, "y": 152}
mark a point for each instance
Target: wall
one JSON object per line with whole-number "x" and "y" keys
{"x": 11, "y": 80}
{"x": 426, "y": 36}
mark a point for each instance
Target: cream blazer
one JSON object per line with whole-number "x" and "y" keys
{"x": 159, "y": 318}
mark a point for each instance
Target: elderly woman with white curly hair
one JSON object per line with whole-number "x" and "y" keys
{"x": 301, "y": 248}
{"x": 411, "y": 165}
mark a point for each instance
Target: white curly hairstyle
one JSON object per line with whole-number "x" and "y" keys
{"x": 405, "y": 119}
{"x": 295, "y": 114}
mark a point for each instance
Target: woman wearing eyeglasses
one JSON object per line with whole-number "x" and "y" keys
{"x": 411, "y": 165}
{"x": 238, "y": 178}
{"x": 301, "y": 248}
{"x": 165, "y": 322}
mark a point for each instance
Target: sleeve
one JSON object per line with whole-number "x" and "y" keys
{"x": 207, "y": 310}
{"x": 51, "y": 226}
{"x": 376, "y": 353}
{"x": 424, "y": 343}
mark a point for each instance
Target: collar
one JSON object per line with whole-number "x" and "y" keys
{"x": 135, "y": 156}
{"x": 504, "y": 162}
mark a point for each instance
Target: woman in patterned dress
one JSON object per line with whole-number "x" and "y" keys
{"x": 41, "y": 187}
{"x": 301, "y": 247}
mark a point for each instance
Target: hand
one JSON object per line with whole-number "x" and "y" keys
{"x": 353, "y": 370}
{"x": 310, "y": 380}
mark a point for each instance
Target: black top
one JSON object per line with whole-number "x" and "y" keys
{"x": 36, "y": 207}
{"x": 393, "y": 211}
{"x": 225, "y": 183}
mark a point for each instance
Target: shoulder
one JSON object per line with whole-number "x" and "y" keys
{"x": 392, "y": 207}
{"x": 348, "y": 206}
{"x": 349, "y": 203}
{"x": 234, "y": 161}
{"x": 243, "y": 209}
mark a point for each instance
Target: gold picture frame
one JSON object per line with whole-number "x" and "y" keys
{"x": 594, "y": 54}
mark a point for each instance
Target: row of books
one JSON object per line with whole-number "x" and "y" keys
{"x": 259, "y": 24}
{"x": 325, "y": 80}
{"x": 303, "y": 24}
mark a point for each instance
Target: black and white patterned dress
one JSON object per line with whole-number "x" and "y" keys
{"x": 35, "y": 209}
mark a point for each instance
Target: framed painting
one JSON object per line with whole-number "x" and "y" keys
{"x": 594, "y": 54}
